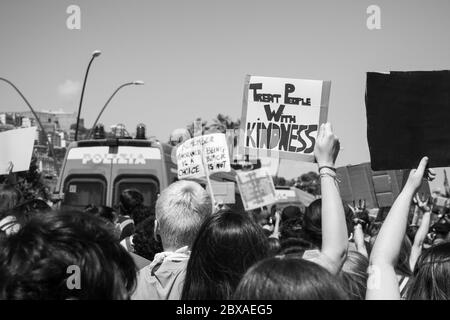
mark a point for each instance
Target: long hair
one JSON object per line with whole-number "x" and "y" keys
{"x": 289, "y": 278}
{"x": 431, "y": 277}
{"x": 354, "y": 275}
{"x": 312, "y": 223}
{"x": 227, "y": 244}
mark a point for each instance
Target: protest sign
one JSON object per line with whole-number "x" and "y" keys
{"x": 256, "y": 188}
{"x": 407, "y": 118}
{"x": 281, "y": 116}
{"x": 203, "y": 155}
{"x": 224, "y": 192}
{"x": 16, "y": 148}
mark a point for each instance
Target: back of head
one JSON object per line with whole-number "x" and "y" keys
{"x": 104, "y": 212}
{"x": 291, "y": 212}
{"x": 228, "y": 243}
{"x": 129, "y": 200}
{"x": 291, "y": 228}
{"x": 180, "y": 211}
{"x": 354, "y": 275}
{"x": 66, "y": 255}
{"x": 312, "y": 223}
{"x": 144, "y": 242}
{"x": 288, "y": 278}
{"x": 431, "y": 277}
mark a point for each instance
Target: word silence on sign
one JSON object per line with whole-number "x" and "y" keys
{"x": 256, "y": 188}
{"x": 283, "y": 115}
{"x": 203, "y": 155}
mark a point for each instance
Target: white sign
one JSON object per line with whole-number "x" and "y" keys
{"x": 16, "y": 149}
{"x": 256, "y": 188}
{"x": 203, "y": 154}
{"x": 283, "y": 115}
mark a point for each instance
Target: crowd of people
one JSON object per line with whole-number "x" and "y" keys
{"x": 183, "y": 247}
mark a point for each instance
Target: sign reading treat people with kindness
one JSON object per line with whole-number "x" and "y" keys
{"x": 203, "y": 155}
{"x": 256, "y": 188}
{"x": 283, "y": 115}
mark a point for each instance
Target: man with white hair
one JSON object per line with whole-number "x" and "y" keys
{"x": 180, "y": 211}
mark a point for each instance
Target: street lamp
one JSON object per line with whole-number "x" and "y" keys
{"x": 49, "y": 143}
{"x": 95, "y": 54}
{"x": 135, "y": 83}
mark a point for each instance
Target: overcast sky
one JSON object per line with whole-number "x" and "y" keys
{"x": 193, "y": 56}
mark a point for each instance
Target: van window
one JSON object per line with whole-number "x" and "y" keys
{"x": 147, "y": 186}
{"x": 82, "y": 191}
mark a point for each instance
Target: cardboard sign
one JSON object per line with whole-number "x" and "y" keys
{"x": 407, "y": 118}
{"x": 224, "y": 192}
{"x": 283, "y": 115}
{"x": 256, "y": 188}
{"x": 17, "y": 148}
{"x": 203, "y": 155}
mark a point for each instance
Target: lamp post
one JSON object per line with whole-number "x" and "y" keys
{"x": 49, "y": 143}
{"x": 136, "y": 83}
{"x": 95, "y": 54}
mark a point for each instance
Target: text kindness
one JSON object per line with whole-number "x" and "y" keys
{"x": 279, "y": 129}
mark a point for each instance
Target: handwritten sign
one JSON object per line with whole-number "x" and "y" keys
{"x": 17, "y": 148}
{"x": 256, "y": 188}
{"x": 203, "y": 154}
{"x": 283, "y": 115}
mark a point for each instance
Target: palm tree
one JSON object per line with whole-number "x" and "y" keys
{"x": 222, "y": 122}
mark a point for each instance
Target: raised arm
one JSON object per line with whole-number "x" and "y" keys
{"x": 276, "y": 230}
{"x": 416, "y": 250}
{"x": 334, "y": 227}
{"x": 358, "y": 236}
{"x": 382, "y": 282}
{"x": 446, "y": 185}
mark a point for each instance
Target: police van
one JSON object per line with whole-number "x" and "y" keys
{"x": 97, "y": 171}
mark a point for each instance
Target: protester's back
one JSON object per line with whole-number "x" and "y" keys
{"x": 180, "y": 211}
{"x": 227, "y": 244}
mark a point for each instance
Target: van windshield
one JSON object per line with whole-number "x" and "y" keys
{"x": 147, "y": 186}
{"x": 80, "y": 192}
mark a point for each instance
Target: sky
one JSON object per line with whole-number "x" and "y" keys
{"x": 193, "y": 57}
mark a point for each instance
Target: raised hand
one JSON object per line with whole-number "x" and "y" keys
{"x": 327, "y": 146}
{"x": 423, "y": 202}
{"x": 417, "y": 175}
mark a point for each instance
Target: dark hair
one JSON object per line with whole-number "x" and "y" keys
{"x": 144, "y": 241}
{"x": 37, "y": 261}
{"x": 274, "y": 246}
{"x": 291, "y": 212}
{"x": 431, "y": 275}
{"x": 295, "y": 246}
{"x": 227, "y": 244}
{"x": 312, "y": 223}
{"x": 291, "y": 228}
{"x": 132, "y": 204}
{"x": 354, "y": 275}
{"x": 289, "y": 278}
{"x": 103, "y": 212}
{"x": 403, "y": 268}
